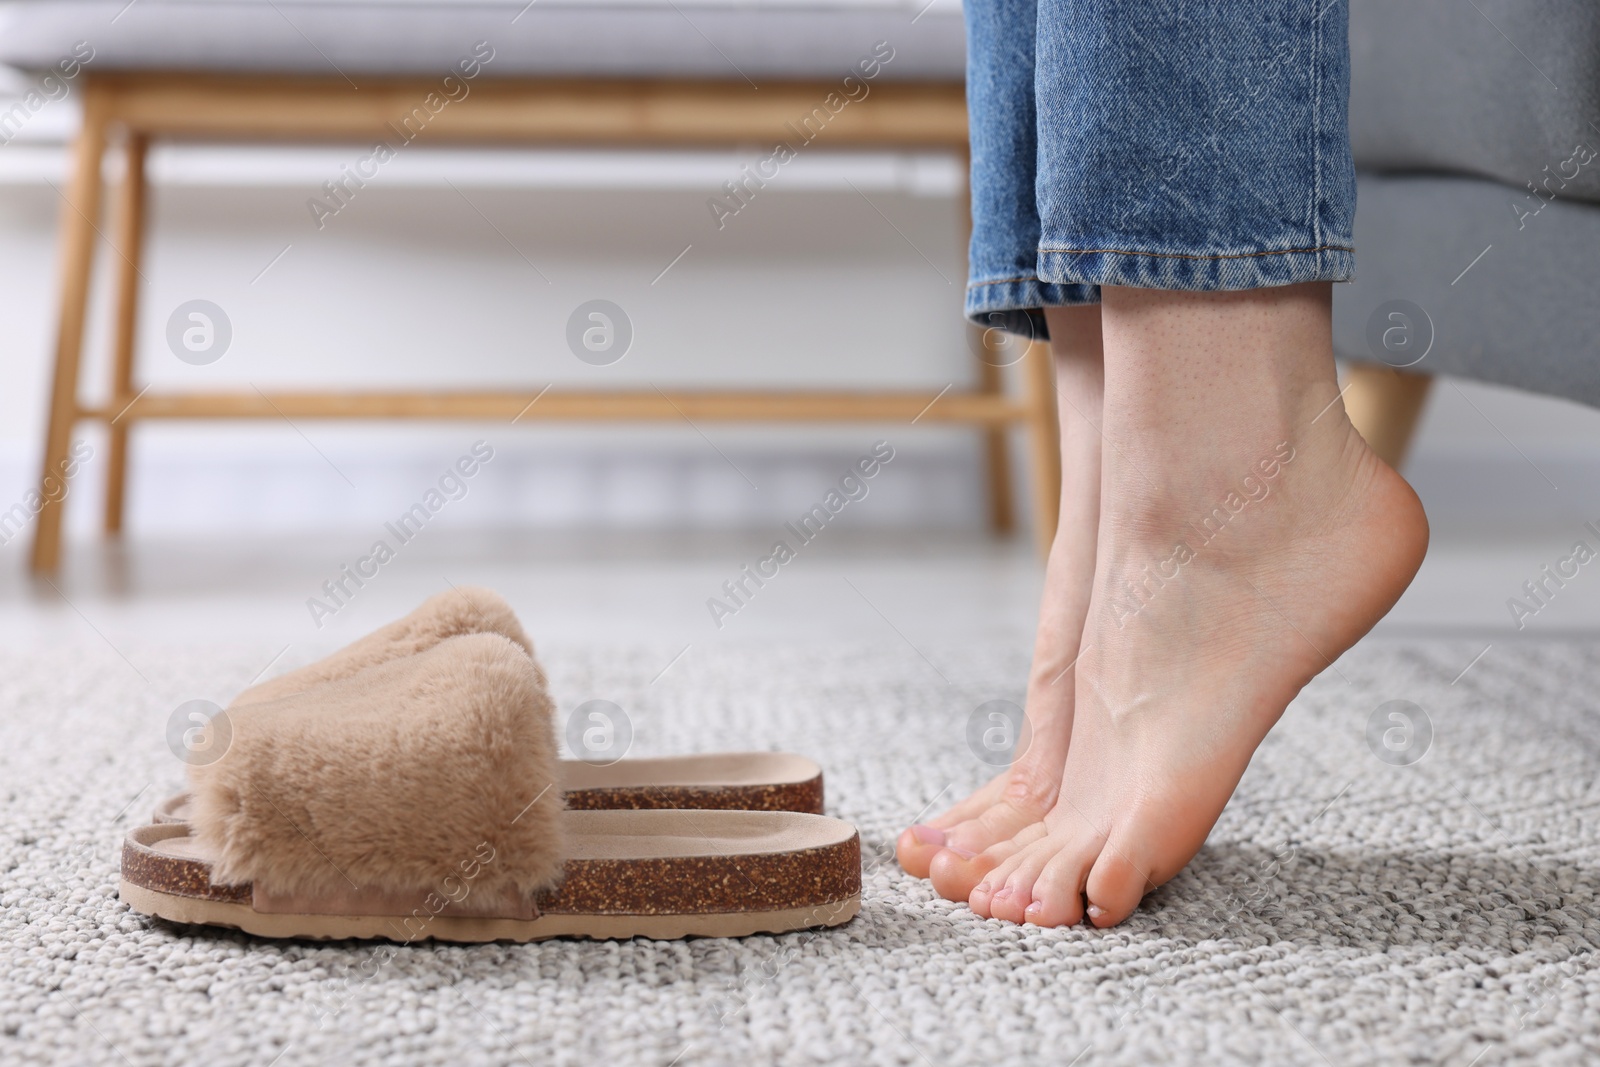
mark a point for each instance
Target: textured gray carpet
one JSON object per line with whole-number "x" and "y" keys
{"x": 1345, "y": 911}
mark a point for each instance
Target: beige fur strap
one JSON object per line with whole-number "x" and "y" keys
{"x": 397, "y": 779}
{"x": 467, "y": 609}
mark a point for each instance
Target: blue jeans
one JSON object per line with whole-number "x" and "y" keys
{"x": 1157, "y": 144}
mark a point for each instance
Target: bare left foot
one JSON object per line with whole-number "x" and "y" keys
{"x": 945, "y": 847}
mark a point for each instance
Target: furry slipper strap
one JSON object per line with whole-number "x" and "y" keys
{"x": 467, "y": 609}
{"x": 407, "y": 778}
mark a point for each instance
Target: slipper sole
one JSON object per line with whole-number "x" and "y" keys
{"x": 652, "y": 874}
{"x": 673, "y": 927}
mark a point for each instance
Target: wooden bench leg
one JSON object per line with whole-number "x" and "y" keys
{"x": 996, "y": 451}
{"x": 131, "y": 201}
{"x": 79, "y": 215}
{"x": 1385, "y": 406}
{"x": 1044, "y": 441}
{"x": 991, "y": 381}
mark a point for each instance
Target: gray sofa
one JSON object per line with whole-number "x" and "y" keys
{"x": 1476, "y": 129}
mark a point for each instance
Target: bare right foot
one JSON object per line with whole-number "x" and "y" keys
{"x": 952, "y": 847}
{"x": 1225, "y": 438}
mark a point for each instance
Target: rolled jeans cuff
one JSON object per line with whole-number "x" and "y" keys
{"x": 1195, "y": 271}
{"x": 1016, "y": 305}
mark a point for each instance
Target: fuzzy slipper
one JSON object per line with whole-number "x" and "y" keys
{"x": 748, "y": 781}
{"x": 422, "y": 800}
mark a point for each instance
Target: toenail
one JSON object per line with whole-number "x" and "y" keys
{"x": 1095, "y": 911}
{"x": 928, "y": 835}
{"x": 963, "y": 853}
{"x": 1033, "y": 910}
{"x": 1004, "y": 894}
{"x": 983, "y": 887}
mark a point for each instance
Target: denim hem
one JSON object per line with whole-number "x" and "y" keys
{"x": 1016, "y": 305}
{"x": 1196, "y": 272}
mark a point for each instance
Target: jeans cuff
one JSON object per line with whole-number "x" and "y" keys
{"x": 1195, "y": 272}
{"x": 1016, "y": 305}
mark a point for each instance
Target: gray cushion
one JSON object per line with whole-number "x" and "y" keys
{"x": 1524, "y": 315}
{"x": 1436, "y": 86}
{"x": 732, "y": 39}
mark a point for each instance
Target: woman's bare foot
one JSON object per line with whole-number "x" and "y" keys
{"x": 1248, "y": 538}
{"x": 1023, "y": 793}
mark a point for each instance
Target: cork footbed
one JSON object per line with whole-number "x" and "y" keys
{"x": 654, "y": 874}
{"x": 731, "y": 781}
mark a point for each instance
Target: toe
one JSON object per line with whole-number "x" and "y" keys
{"x": 1025, "y": 793}
{"x": 1148, "y": 844}
{"x": 918, "y": 844}
{"x": 956, "y": 873}
{"x": 1118, "y": 881}
{"x": 916, "y": 847}
{"x": 1012, "y": 900}
{"x": 994, "y": 890}
{"x": 1006, "y": 805}
{"x": 1000, "y": 822}
{"x": 1058, "y": 891}
{"x": 1010, "y": 856}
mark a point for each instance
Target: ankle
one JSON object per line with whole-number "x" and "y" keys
{"x": 1272, "y": 487}
{"x": 1192, "y": 374}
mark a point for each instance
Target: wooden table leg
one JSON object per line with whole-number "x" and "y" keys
{"x": 131, "y": 201}
{"x": 79, "y": 212}
{"x": 996, "y": 451}
{"x": 996, "y": 441}
{"x": 1385, "y": 406}
{"x": 1044, "y": 441}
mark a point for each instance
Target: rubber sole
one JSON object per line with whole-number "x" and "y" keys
{"x": 196, "y": 910}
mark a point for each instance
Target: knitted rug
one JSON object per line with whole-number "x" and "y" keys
{"x": 1411, "y": 882}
